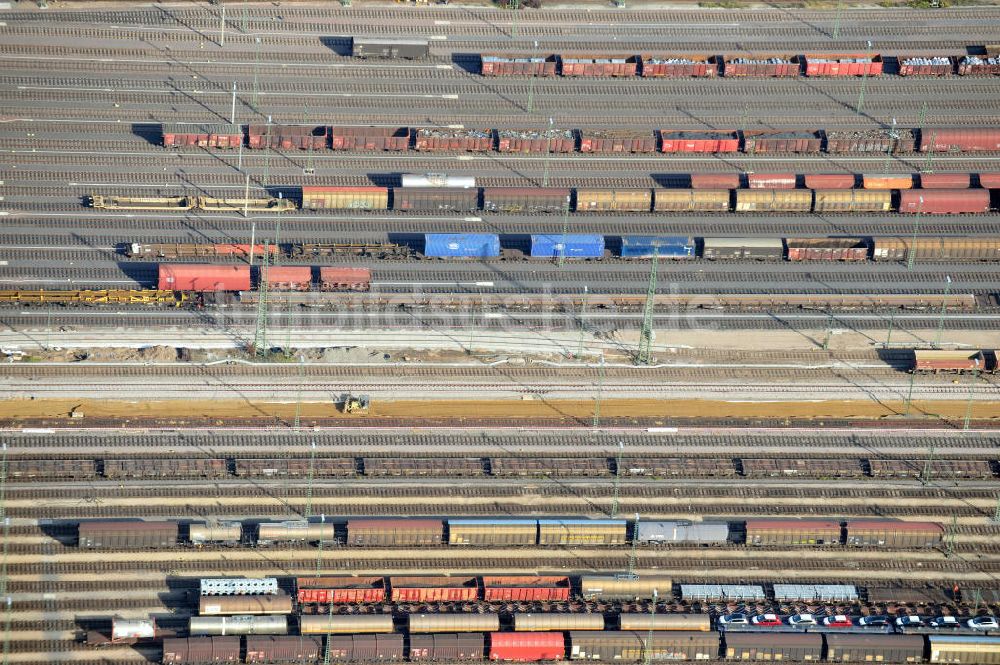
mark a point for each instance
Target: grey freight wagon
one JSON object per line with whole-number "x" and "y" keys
{"x": 410, "y": 49}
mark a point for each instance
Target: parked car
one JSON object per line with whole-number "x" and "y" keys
{"x": 875, "y": 620}
{"x": 738, "y": 619}
{"x": 766, "y": 620}
{"x": 802, "y": 620}
{"x": 944, "y": 622}
{"x": 838, "y": 621}
{"x": 983, "y": 623}
{"x": 909, "y": 621}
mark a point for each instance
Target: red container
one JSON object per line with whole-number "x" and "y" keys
{"x": 344, "y": 279}
{"x": 616, "y": 141}
{"x": 527, "y": 647}
{"x": 843, "y": 64}
{"x": 433, "y": 589}
{"x": 288, "y": 137}
{"x": 771, "y": 180}
{"x": 960, "y": 140}
{"x": 945, "y": 180}
{"x": 782, "y": 141}
{"x": 672, "y": 140}
{"x": 198, "y": 277}
{"x": 926, "y": 66}
{"x": 761, "y": 66}
{"x": 454, "y": 140}
{"x": 523, "y": 588}
{"x": 281, "y": 649}
{"x": 341, "y": 589}
{"x": 715, "y": 181}
{"x": 989, "y": 180}
{"x": 370, "y": 138}
{"x": 495, "y": 64}
{"x": 598, "y": 65}
{"x": 830, "y": 181}
{"x": 944, "y": 201}
{"x": 289, "y": 278}
{"x": 677, "y": 66}
{"x": 534, "y": 140}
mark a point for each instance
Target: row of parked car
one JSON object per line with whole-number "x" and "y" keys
{"x": 844, "y": 621}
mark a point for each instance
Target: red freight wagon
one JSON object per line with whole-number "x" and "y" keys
{"x": 517, "y": 65}
{"x": 975, "y": 65}
{"x": 770, "y": 141}
{"x": 202, "y": 136}
{"x": 535, "y": 140}
{"x": 370, "y": 138}
{"x": 761, "y": 66}
{"x": 433, "y": 139}
{"x": 989, "y": 180}
{"x": 598, "y": 65}
{"x": 939, "y": 65}
{"x": 937, "y": 360}
{"x": 288, "y": 137}
{"x": 527, "y": 647}
{"x": 826, "y": 249}
{"x": 672, "y": 140}
{"x": 341, "y": 589}
{"x": 771, "y": 180}
{"x": 433, "y": 589}
{"x": 616, "y": 141}
{"x": 843, "y": 64}
{"x": 288, "y": 278}
{"x": 715, "y": 181}
{"x": 525, "y": 588}
{"x": 344, "y": 279}
{"x": 279, "y": 649}
{"x": 677, "y": 66}
{"x": 197, "y": 277}
{"x": 960, "y": 140}
{"x": 944, "y": 201}
{"x": 945, "y": 180}
{"x": 830, "y": 181}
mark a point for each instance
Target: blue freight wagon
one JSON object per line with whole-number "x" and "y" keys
{"x": 462, "y": 244}
{"x": 576, "y": 246}
{"x": 672, "y": 247}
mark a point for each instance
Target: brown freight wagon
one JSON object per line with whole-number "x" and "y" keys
{"x": 166, "y": 467}
{"x": 288, "y": 137}
{"x": 366, "y": 648}
{"x": 792, "y": 532}
{"x": 598, "y": 65}
{"x": 715, "y": 181}
{"x": 296, "y": 467}
{"x": 938, "y": 468}
{"x": 370, "y": 138}
{"x": 936, "y": 361}
{"x": 288, "y": 278}
{"x": 492, "y": 532}
{"x": 283, "y": 649}
{"x": 691, "y": 200}
{"x": 826, "y": 249}
{"x": 630, "y": 646}
{"x": 760, "y": 141}
{"x": 848, "y": 648}
{"x": 188, "y": 650}
{"x": 802, "y": 468}
{"x": 761, "y": 66}
{"x": 870, "y": 140}
{"x": 398, "y": 467}
{"x": 51, "y": 468}
{"x": 536, "y": 141}
{"x": 202, "y": 136}
{"x": 394, "y": 532}
{"x": 526, "y": 200}
{"x": 495, "y": 64}
{"x": 677, "y": 467}
{"x": 945, "y": 180}
{"x": 975, "y": 65}
{"x": 445, "y": 647}
{"x": 344, "y": 279}
{"x": 341, "y": 589}
{"x": 250, "y": 604}
{"x": 345, "y": 198}
{"x": 989, "y": 180}
{"x": 613, "y": 200}
{"x": 616, "y": 141}
{"x": 549, "y": 466}
{"x": 773, "y": 646}
{"x": 127, "y": 534}
{"x": 771, "y": 180}
{"x": 708, "y": 141}
{"x": 830, "y": 181}
{"x": 433, "y": 589}
{"x": 507, "y": 588}
{"x": 436, "y": 199}
{"x": 900, "y": 181}
{"x": 843, "y": 64}
{"x": 944, "y": 201}
{"x": 938, "y": 249}
{"x": 916, "y": 65}
{"x": 960, "y": 140}
{"x": 677, "y": 66}
{"x": 442, "y": 139}
{"x": 852, "y": 200}
{"x": 893, "y": 533}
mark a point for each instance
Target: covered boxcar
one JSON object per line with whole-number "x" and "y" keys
{"x": 771, "y": 180}
{"x": 569, "y": 245}
{"x": 893, "y": 533}
{"x": 345, "y": 623}
{"x": 631, "y": 646}
{"x": 253, "y": 604}
{"x": 388, "y": 532}
{"x": 581, "y": 532}
{"x": 283, "y": 649}
{"x": 792, "y": 532}
{"x": 526, "y": 200}
{"x": 446, "y": 647}
{"x": 944, "y": 201}
{"x": 773, "y": 646}
{"x": 453, "y": 623}
{"x": 848, "y": 648}
{"x": 379, "y": 47}
{"x": 691, "y": 200}
{"x": 468, "y": 245}
{"x": 937, "y": 360}
{"x": 742, "y": 248}
{"x": 294, "y": 531}
{"x": 345, "y": 198}
{"x": 613, "y": 200}
{"x": 546, "y": 621}
{"x": 900, "y": 181}
{"x": 682, "y": 531}
{"x": 964, "y": 649}
{"x": 937, "y": 249}
{"x": 435, "y": 199}
{"x": 526, "y": 647}
{"x": 127, "y": 534}
{"x": 960, "y": 140}
{"x": 625, "y": 587}
{"x": 669, "y": 247}
{"x": 716, "y": 181}
{"x": 650, "y": 621}
{"x": 239, "y": 625}
{"x": 945, "y": 180}
{"x": 852, "y": 200}
{"x": 492, "y": 532}
{"x": 187, "y": 650}
{"x": 773, "y": 200}
{"x": 366, "y": 648}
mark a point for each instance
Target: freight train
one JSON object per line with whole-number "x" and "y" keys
{"x": 493, "y": 532}
{"x": 600, "y": 141}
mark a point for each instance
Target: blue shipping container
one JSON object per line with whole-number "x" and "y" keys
{"x": 461, "y": 244}
{"x": 674, "y": 247}
{"x": 576, "y": 245}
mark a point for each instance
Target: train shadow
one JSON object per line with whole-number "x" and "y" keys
{"x": 467, "y": 62}
{"x": 339, "y": 44}
{"x": 151, "y": 133}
